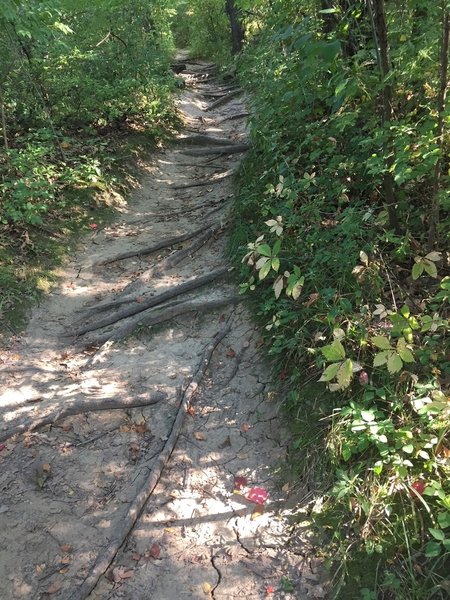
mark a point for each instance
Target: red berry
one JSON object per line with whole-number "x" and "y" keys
{"x": 419, "y": 487}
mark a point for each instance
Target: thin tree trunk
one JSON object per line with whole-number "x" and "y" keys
{"x": 5, "y": 135}
{"x": 434, "y": 216}
{"x": 378, "y": 18}
{"x": 237, "y": 31}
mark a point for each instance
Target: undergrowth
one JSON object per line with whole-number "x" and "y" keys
{"x": 85, "y": 92}
{"x": 353, "y": 310}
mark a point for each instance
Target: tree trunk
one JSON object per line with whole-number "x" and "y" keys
{"x": 378, "y": 18}
{"x": 434, "y": 216}
{"x": 237, "y": 31}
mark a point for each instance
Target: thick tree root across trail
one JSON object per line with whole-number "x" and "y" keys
{"x": 141, "y": 401}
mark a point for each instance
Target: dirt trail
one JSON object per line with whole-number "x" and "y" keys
{"x": 66, "y": 488}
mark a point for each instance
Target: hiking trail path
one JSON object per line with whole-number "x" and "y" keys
{"x": 120, "y": 453}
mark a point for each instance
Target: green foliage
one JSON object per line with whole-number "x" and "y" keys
{"x": 75, "y": 77}
{"x": 369, "y": 318}
{"x": 202, "y": 26}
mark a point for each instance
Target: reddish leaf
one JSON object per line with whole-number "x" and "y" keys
{"x": 270, "y": 590}
{"x": 136, "y": 556}
{"x": 155, "y": 550}
{"x": 93, "y": 225}
{"x": 231, "y": 353}
{"x": 2, "y": 447}
{"x": 283, "y": 375}
{"x": 257, "y": 495}
{"x": 239, "y": 483}
{"x": 140, "y": 299}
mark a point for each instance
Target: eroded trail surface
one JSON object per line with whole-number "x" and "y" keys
{"x": 136, "y": 402}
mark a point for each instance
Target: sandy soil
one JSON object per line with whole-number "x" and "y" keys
{"x": 66, "y": 488}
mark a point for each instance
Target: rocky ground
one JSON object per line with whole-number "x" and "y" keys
{"x": 140, "y": 442}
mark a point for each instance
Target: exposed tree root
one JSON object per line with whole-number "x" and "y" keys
{"x": 78, "y": 407}
{"x": 224, "y": 99}
{"x": 200, "y": 138}
{"x": 201, "y": 165}
{"x": 221, "y": 150}
{"x": 155, "y": 247}
{"x": 186, "y": 186}
{"x": 235, "y": 117}
{"x": 158, "y": 270}
{"x": 104, "y": 560}
{"x": 166, "y": 313}
{"x": 152, "y": 301}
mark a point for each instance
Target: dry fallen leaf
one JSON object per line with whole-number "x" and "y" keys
{"x": 66, "y": 560}
{"x": 200, "y": 436}
{"x": 245, "y": 427}
{"x": 140, "y": 299}
{"x": 239, "y": 483}
{"x": 120, "y": 573}
{"x": 140, "y": 427}
{"x": 257, "y": 513}
{"x": 54, "y": 587}
{"x": 154, "y": 551}
{"x": 206, "y": 587}
{"x": 136, "y": 556}
{"x": 231, "y": 353}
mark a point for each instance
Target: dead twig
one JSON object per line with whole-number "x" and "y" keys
{"x": 128, "y": 522}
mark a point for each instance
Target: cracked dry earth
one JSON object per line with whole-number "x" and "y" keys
{"x": 88, "y": 411}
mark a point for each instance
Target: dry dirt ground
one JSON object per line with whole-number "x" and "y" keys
{"x": 121, "y": 453}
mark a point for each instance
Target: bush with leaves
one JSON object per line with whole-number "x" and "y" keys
{"x": 369, "y": 315}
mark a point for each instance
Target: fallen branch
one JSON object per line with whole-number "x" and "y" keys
{"x": 220, "y": 150}
{"x": 200, "y": 138}
{"x": 158, "y": 270}
{"x": 242, "y": 115}
{"x": 127, "y": 523}
{"x": 167, "y": 313}
{"x": 158, "y": 246}
{"x": 79, "y": 407}
{"x": 223, "y": 100}
{"x": 136, "y": 308}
